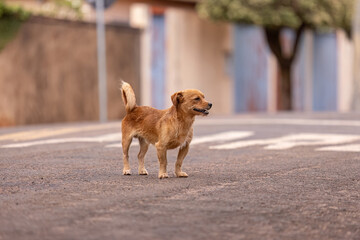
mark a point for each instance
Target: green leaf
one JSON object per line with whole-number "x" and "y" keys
{"x": 316, "y": 14}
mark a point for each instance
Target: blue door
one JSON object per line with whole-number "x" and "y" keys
{"x": 250, "y": 69}
{"x": 158, "y": 61}
{"x": 325, "y": 72}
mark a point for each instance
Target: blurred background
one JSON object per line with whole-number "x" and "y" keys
{"x": 245, "y": 55}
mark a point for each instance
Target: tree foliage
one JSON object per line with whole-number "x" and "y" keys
{"x": 12, "y": 15}
{"x": 10, "y": 12}
{"x": 10, "y": 21}
{"x": 63, "y": 9}
{"x": 316, "y": 14}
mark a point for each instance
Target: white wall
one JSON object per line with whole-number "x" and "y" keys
{"x": 356, "y": 78}
{"x": 345, "y": 78}
{"x": 196, "y": 53}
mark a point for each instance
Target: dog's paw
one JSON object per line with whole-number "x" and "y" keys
{"x": 181, "y": 174}
{"x": 143, "y": 172}
{"x": 126, "y": 172}
{"x": 163, "y": 175}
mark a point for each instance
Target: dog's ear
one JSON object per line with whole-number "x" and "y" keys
{"x": 177, "y": 98}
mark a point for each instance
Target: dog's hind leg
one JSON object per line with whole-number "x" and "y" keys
{"x": 126, "y": 141}
{"x": 141, "y": 156}
{"x": 181, "y": 155}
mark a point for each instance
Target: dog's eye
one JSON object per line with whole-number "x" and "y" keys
{"x": 197, "y": 99}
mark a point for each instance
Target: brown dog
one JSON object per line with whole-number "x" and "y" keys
{"x": 166, "y": 129}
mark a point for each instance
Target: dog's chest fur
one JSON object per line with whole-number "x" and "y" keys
{"x": 177, "y": 133}
{"x": 180, "y": 139}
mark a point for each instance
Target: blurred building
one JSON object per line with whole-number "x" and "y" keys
{"x": 233, "y": 65}
{"x": 356, "y": 37}
{"x": 230, "y": 63}
{"x": 49, "y": 68}
{"x": 181, "y": 51}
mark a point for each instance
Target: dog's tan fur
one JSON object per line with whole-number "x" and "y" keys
{"x": 166, "y": 129}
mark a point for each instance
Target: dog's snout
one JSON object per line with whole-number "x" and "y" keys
{"x": 210, "y": 105}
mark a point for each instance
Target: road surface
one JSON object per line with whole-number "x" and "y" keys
{"x": 285, "y": 176}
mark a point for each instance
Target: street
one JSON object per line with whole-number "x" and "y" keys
{"x": 253, "y": 176}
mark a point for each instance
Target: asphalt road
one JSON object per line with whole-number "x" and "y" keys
{"x": 287, "y": 176}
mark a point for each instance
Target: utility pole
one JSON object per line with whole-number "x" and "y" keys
{"x": 101, "y": 57}
{"x": 356, "y": 37}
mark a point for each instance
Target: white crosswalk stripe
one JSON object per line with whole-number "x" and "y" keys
{"x": 99, "y": 139}
{"x": 219, "y": 137}
{"x": 226, "y": 141}
{"x": 341, "y": 148}
{"x": 276, "y": 121}
{"x": 290, "y": 141}
{"x": 224, "y": 136}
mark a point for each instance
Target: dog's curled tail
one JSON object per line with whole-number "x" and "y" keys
{"x": 128, "y": 96}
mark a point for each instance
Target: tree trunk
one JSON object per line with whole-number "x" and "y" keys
{"x": 285, "y": 89}
{"x": 284, "y": 62}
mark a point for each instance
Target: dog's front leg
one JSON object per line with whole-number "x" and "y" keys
{"x": 181, "y": 155}
{"x": 161, "y": 152}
